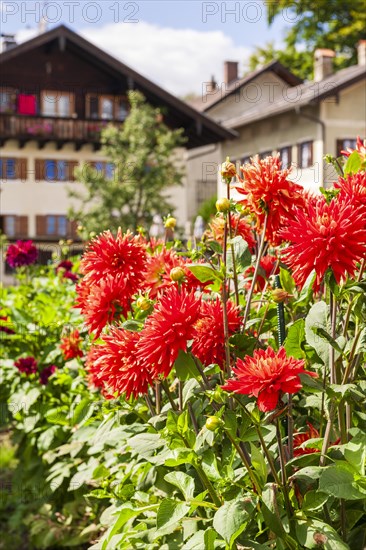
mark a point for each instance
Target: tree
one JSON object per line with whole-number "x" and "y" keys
{"x": 141, "y": 153}
{"x": 334, "y": 24}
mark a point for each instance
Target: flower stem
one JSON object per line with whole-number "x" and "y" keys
{"x": 165, "y": 387}
{"x": 283, "y": 469}
{"x": 256, "y": 270}
{"x": 207, "y": 483}
{"x": 251, "y": 474}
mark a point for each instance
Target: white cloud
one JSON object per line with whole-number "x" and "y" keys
{"x": 179, "y": 60}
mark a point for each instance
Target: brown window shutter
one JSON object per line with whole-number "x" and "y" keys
{"x": 22, "y": 226}
{"x": 40, "y": 170}
{"x": 41, "y": 226}
{"x": 73, "y": 224}
{"x": 22, "y": 169}
{"x": 72, "y": 164}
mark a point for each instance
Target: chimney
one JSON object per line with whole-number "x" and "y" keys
{"x": 230, "y": 71}
{"x": 361, "y": 52}
{"x": 8, "y": 41}
{"x": 211, "y": 86}
{"x": 323, "y": 63}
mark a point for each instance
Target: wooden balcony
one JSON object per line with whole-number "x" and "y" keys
{"x": 45, "y": 129}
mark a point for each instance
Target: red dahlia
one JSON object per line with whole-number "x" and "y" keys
{"x": 267, "y": 190}
{"x": 46, "y": 373}
{"x": 104, "y": 302}
{"x": 326, "y": 236}
{"x": 168, "y": 329}
{"x": 267, "y": 375}
{"x": 28, "y": 365}
{"x": 114, "y": 365}
{"x": 209, "y": 342}
{"x": 300, "y": 438}
{"x": 239, "y": 227}
{"x": 122, "y": 256}
{"x": 353, "y": 186}
{"x": 21, "y": 253}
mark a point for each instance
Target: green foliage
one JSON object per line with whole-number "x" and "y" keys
{"x": 336, "y": 24}
{"x": 142, "y": 151}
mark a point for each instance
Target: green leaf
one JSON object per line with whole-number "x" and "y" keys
{"x": 170, "y": 512}
{"x": 146, "y": 443}
{"x": 295, "y": 337}
{"x": 258, "y": 463}
{"x": 230, "y": 422}
{"x": 230, "y": 520}
{"x": 287, "y": 282}
{"x": 185, "y": 367}
{"x": 183, "y": 482}
{"x": 353, "y": 164}
{"x": 307, "y": 289}
{"x": 336, "y": 345}
{"x": 313, "y": 533}
{"x": 313, "y": 500}
{"x": 132, "y": 325}
{"x": 242, "y": 254}
{"x": 204, "y": 272}
{"x": 317, "y": 318}
{"x": 340, "y": 483}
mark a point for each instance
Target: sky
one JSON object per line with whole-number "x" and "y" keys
{"x": 176, "y": 43}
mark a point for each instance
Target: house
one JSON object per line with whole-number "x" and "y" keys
{"x": 274, "y": 112}
{"x": 58, "y": 91}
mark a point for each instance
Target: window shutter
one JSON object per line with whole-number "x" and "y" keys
{"x": 72, "y": 164}
{"x": 41, "y": 226}
{"x": 72, "y": 230}
{"x": 22, "y": 169}
{"x": 40, "y": 171}
{"x": 22, "y": 226}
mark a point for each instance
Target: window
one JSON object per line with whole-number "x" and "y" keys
{"x": 306, "y": 154}
{"x": 102, "y": 168}
{"x": 56, "y": 225}
{"x": 344, "y": 144}
{"x": 7, "y": 100}
{"x": 265, "y": 154}
{"x": 57, "y": 104}
{"x": 55, "y": 169}
{"x": 285, "y": 157}
{"x": 245, "y": 160}
{"x": 13, "y": 168}
{"x": 14, "y": 226}
{"x": 106, "y": 107}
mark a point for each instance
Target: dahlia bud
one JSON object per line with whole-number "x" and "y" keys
{"x": 279, "y": 295}
{"x": 143, "y": 303}
{"x": 177, "y": 274}
{"x": 212, "y": 423}
{"x": 228, "y": 169}
{"x": 222, "y": 205}
{"x": 170, "y": 223}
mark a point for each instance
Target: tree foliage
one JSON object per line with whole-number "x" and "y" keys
{"x": 141, "y": 152}
{"x": 337, "y": 25}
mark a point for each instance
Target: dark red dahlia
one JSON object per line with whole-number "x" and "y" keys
{"x": 21, "y": 253}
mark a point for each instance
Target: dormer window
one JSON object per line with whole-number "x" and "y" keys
{"x": 57, "y": 104}
{"x": 106, "y": 107}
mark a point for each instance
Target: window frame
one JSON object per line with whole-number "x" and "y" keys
{"x": 300, "y": 150}
{"x": 71, "y": 97}
{"x": 56, "y": 219}
{"x": 115, "y": 100}
{"x": 289, "y": 149}
{"x": 340, "y": 146}
{"x": 12, "y": 95}
{"x": 20, "y": 169}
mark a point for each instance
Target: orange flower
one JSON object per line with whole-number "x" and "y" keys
{"x": 326, "y": 236}
{"x": 70, "y": 345}
{"x": 239, "y": 226}
{"x": 267, "y": 376}
{"x": 300, "y": 438}
{"x": 267, "y": 190}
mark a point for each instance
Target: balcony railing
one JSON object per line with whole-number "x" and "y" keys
{"x": 43, "y": 129}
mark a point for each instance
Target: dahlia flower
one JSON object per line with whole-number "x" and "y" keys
{"x": 268, "y": 191}
{"x": 4, "y": 325}
{"x": 21, "y": 253}
{"x": 326, "y": 236}
{"x": 239, "y": 227}
{"x": 267, "y": 265}
{"x": 115, "y": 367}
{"x": 360, "y": 148}
{"x": 267, "y": 375}
{"x": 28, "y": 365}
{"x": 46, "y": 373}
{"x": 354, "y": 187}
{"x": 70, "y": 345}
{"x": 300, "y": 438}
{"x": 167, "y": 330}
{"x": 209, "y": 341}
{"x": 122, "y": 256}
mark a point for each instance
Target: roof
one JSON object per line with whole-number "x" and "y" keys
{"x": 205, "y": 103}
{"x": 199, "y": 128}
{"x": 308, "y": 93}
